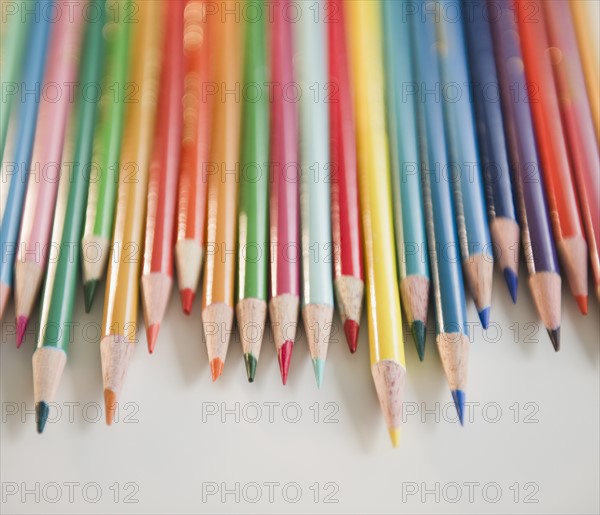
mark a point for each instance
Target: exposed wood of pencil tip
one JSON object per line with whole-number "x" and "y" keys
{"x": 115, "y": 354}
{"x": 217, "y": 320}
{"x": 94, "y": 256}
{"x": 189, "y": 257}
{"x": 48, "y": 365}
{"x": 251, "y": 318}
{"x": 574, "y": 257}
{"x": 156, "y": 290}
{"x": 283, "y": 311}
{"x": 28, "y": 280}
{"x": 454, "y": 352}
{"x": 317, "y": 324}
{"x": 479, "y": 273}
{"x": 546, "y": 291}
{"x": 349, "y": 292}
{"x": 389, "y": 377}
{"x": 414, "y": 290}
{"x": 506, "y": 237}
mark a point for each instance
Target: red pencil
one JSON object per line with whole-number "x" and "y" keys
{"x": 345, "y": 218}
{"x": 157, "y": 274}
{"x": 195, "y": 148}
{"x": 578, "y": 123}
{"x": 560, "y": 192}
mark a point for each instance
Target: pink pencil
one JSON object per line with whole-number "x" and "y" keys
{"x": 57, "y": 95}
{"x": 284, "y": 195}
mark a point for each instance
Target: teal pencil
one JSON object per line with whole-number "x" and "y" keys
{"x": 315, "y": 200}
{"x": 411, "y": 236}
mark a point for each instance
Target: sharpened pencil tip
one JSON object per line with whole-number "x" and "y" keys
{"x": 284, "y": 356}
{"x": 419, "y": 331}
{"x": 152, "y": 336}
{"x": 42, "y": 411}
{"x": 319, "y": 367}
{"x": 459, "y": 401}
{"x": 89, "y": 292}
{"x": 484, "y": 316}
{"x": 21, "y": 327}
{"x": 582, "y": 302}
{"x": 394, "y": 436}
{"x": 555, "y": 338}
{"x": 351, "y": 328}
{"x": 251, "y": 363}
{"x": 110, "y": 405}
{"x": 187, "y": 300}
{"x": 216, "y": 368}
{"x": 512, "y": 281}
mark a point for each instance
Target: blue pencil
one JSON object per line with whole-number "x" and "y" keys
{"x": 464, "y": 169}
{"x": 411, "y": 235}
{"x": 493, "y": 151}
{"x": 448, "y": 291}
{"x": 33, "y": 74}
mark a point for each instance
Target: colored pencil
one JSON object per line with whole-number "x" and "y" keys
{"x": 60, "y": 285}
{"x": 578, "y": 124}
{"x": 464, "y": 170}
{"x": 14, "y": 38}
{"x": 119, "y": 323}
{"x": 219, "y": 276}
{"x": 536, "y": 235}
{"x": 253, "y": 235}
{"x": 157, "y": 272}
{"x": 584, "y": 13}
{"x": 407, "y": 194}
{"x": 502, "y": 215}
{"x": 33, "y": 74}
{"x": 348, "y": 270}
{"x": 284, "y": 211}
{"x": 310, "y": 60}
{"x": 560, "y": 191}
{"x": 448, "y": 291}
{"x": 42, "y": 188}
{"x": 388, "y": 364}
{"x": 102, "y": 194}
{"x": 195, "y": 147}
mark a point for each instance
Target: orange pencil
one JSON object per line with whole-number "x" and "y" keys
{"x": 195, "y": 147}
{"x": 157, "y": 275}
{"x": 560, "y": 192}
{"x": 219, "y": 276}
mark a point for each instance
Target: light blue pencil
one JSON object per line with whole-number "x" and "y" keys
{"x": 315, "y": 201}
{"x": 464, "y": 166}
{"x": 33, "y": 74}
{"x": 411, "y": 237}
{"x": 448, "y": 290}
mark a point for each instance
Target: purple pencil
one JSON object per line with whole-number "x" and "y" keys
{"x": 536, "y": 233}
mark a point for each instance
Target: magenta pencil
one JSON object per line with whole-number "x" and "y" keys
{"x": 57, "y": 96}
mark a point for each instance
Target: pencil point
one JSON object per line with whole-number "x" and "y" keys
{"x": 459, "y": 402}
{"x": 582, "y": 302}
{"x": 351, "y": 329}
{"x": 187, "y": 299}
{"x": 395, "y": 436}
{"x": 512, "y": 281}
{"x": 152, "y": 336}
{"x": 484, "y": 316}
{"x": 89, "y": 291}
{"x": 555, "y": 338}
{"x": 251, "y": 363}
{"x": 216, "y": 368}
{"x": 284, "y": 356}
{"x": 42, "y": 411}
{"x": 22, "y": 322}
{"x": 319, "y": 367}
{"x": 110, "y": 405}
{"x": 419, "y": 331}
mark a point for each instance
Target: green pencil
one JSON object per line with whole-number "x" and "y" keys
{"x": 50, "y": 357}
{"x": 253, "y": 203}
{"x": 116, "y": 93}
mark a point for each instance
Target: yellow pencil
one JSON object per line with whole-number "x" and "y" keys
{"x": 584, "y": 15}
{"x": 119, "y": 324}
{"x": 383, "y": 302}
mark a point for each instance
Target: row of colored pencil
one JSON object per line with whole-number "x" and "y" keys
{"x": 367, "y": 140}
